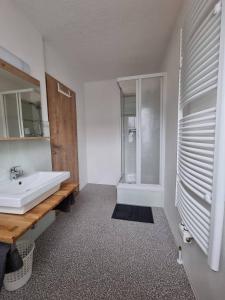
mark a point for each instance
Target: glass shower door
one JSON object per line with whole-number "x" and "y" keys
{"x": 130, "y": 140}
{"x": 149, "y": 129}
{"x": 129, "y": 104}
{"x": 141, "y": 100}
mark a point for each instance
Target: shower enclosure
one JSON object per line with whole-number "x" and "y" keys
{"x": 142, "y": 135}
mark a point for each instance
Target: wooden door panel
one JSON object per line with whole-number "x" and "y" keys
{"x": 63, "y": 128}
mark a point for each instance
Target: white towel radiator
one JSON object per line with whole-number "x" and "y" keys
{"x": 200, "y": 190}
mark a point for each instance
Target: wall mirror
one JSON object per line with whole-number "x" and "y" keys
{"x": 20, "y": 104}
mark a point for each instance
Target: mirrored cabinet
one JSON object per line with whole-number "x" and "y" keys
{"x": 20, "y": 104}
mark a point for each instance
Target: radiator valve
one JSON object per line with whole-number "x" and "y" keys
{"x": 185, "y": 234}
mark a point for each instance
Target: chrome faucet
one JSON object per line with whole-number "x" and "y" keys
{"x": 15, "y": 172}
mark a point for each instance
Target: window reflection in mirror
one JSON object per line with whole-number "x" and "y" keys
{"x": 11, "y": 115}
{"x": 20, "y": 107}
{"x": 31, "y": 113}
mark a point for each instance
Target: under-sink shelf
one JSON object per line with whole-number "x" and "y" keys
{"x": 12, "y": 226}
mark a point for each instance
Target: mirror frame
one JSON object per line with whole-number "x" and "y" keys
{"x": 17, "y": 72}
{"x": 24, "y": 76}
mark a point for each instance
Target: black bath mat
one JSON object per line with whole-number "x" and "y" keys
{"x": 133, "y": 213}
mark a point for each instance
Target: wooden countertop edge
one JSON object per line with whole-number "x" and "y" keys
{"x": 31, "y": 217}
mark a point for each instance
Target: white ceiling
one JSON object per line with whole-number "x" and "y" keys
{"x": 105, "y": 39}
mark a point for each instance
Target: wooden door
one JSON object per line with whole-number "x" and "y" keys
{"x": 63, "y": 127}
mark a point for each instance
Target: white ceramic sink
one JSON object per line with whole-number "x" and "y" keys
{"x": 19, "y": 196}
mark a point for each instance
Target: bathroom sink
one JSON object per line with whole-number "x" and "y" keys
{"x": 20, "y": 195}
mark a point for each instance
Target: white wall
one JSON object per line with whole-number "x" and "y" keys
{"x": 22, "y": 39}
{"x": 207, "y": 284}
{"x": 102, "y": 104}
{"x": 59, "y": 68}
{"x": 19, "y": 37}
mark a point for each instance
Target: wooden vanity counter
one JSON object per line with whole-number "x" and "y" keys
{"x": 14, "y": 226}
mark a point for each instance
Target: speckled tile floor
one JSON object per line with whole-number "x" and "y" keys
{"x": 86, "y": 255}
